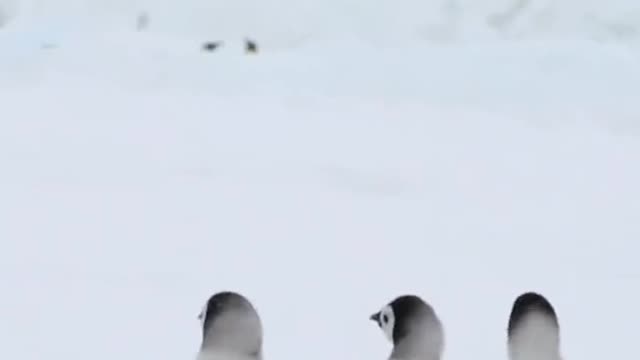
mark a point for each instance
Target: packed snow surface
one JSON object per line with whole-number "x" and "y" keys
{"x": 370, "y": 149}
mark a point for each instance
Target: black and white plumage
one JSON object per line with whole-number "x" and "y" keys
{"x": 533, "y": 331}
{"x": 231, "y": 329}
{"x": 413, "y": 327}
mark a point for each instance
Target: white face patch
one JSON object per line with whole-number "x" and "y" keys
{"x": 387, "y": 321}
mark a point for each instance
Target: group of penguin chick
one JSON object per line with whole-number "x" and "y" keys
{"x": 232, "y": 329}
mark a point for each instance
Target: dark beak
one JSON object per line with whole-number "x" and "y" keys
{"x": 375, "y": 317}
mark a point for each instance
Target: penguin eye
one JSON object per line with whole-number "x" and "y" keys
{"x": 385, "y": 318}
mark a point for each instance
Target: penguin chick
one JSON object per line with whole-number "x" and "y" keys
{"x": 413, "y": 327}
{"x": 533, "y": 332}
{"x": 231, "y": 329}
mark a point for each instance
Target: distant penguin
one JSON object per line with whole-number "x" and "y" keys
{"x": 211, "y": 45}
{"x": 231, "y": 329}
{"x": 533, "y": 331}
{"x": 250, "y": 46}
{"x": 413, "y": 327}
{"x": 142, "y": 21}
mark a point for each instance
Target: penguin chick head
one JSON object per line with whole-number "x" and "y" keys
{"x": 230, "y": 324}
{"x": 533, "y": 330}
{"x": 412, "y": 326}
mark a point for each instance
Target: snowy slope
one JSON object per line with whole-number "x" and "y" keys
{"x": 289, "y": 23}
{"x": 139, "y": 175}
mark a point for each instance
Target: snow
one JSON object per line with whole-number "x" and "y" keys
{"x": 320, "y": 178}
